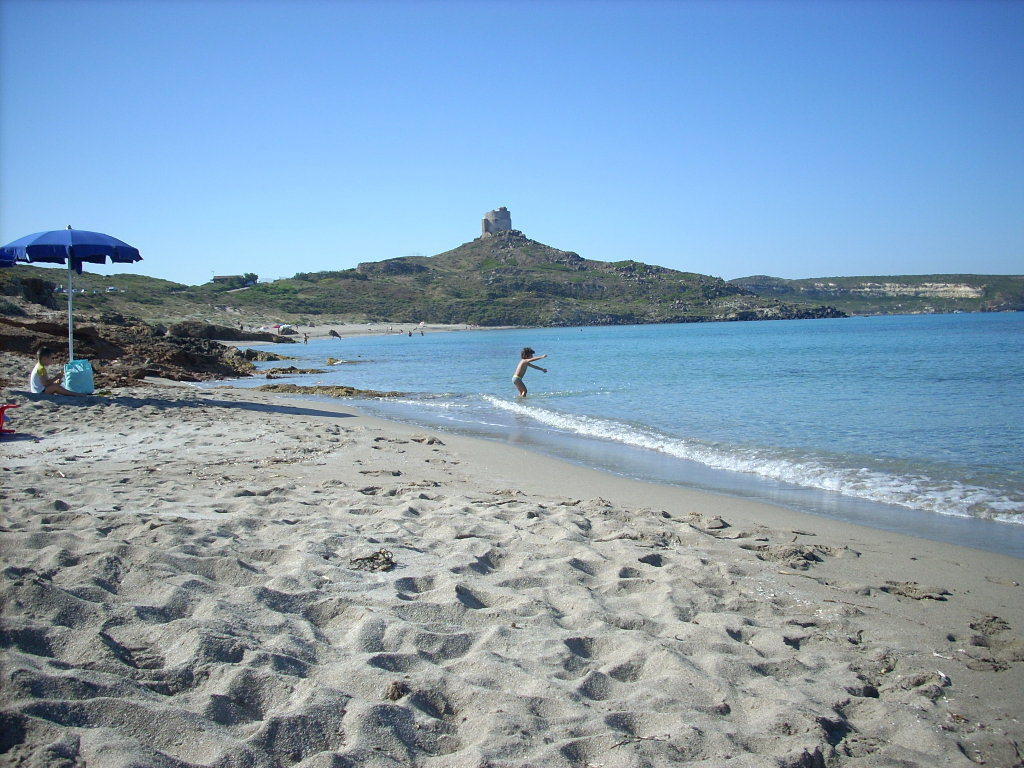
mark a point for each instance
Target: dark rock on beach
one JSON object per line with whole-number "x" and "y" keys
{"x": 126, "y": 350}
{"x": 197, "y": 330}
{"x": 261, "y": 356}
{"x": 328, "y": 391}
{"x": 291, "y": 370}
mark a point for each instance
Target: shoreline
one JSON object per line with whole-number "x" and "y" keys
{"x": 549, "y": 474}
{"x": 1001, "y": 537}
{"x": 193, "y": 552}
{"x": 815, "y": 472}
{"x": 982, "y": 534}
{"x": 357, "y": 330}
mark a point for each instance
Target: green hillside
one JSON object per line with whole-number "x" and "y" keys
{"x": 896, "y": 294}
{"x": 508, "y": 279}
{"x": 135, "y": 294}
{"x": 503, "y": 279}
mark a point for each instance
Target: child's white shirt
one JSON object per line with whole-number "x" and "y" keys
{"x": 37, "y": 379}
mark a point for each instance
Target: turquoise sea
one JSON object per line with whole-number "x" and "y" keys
{"x": 905, "y": 422}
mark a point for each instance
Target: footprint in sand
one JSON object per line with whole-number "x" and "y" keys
{"x": 993, "y": 646}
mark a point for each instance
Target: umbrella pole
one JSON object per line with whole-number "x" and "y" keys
{"x": 71, "y": 321}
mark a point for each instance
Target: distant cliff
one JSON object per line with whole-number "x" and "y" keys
{"x": 896, "y": 294}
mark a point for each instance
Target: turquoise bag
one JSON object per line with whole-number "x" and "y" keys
{"x": 78, "y": 377}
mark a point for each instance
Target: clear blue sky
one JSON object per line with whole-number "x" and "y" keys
{"x": 730, "y": 138}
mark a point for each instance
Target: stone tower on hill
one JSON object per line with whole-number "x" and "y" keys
{"x": 496, "y": 221}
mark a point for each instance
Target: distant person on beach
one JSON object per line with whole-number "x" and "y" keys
{"x": 39, "y": 381}
{"x": 527, "y": 360}
{"x": 305, "y": 338}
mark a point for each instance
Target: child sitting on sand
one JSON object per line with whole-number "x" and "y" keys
{"x": 527, "y": 361}
{"x": 39, "y": 382}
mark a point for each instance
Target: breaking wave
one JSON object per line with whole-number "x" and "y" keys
{"x": 916, "y": 491}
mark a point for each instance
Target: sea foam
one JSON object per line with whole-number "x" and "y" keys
{"x": 916, "y": 491}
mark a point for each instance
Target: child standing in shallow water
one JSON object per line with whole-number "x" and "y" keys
{"x": 527, "y": 361}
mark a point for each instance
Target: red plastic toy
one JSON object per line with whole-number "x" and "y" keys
{"x": 3, "y": 418}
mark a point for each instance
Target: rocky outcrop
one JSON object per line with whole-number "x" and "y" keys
{"x": 261, "y": 356}
{"x": 28, "y": 335}
{"x": 820, "y": 287}
{"x": 128, "y": 351}
{"x": 325, "y": 390}
{"x": 896, "y": 294}
{"x": 572, "y": 316}
{"x": 926, "y": 290}
{"x": 194, "y": 329}
{"x": 290, "y": 370}
{"x": 783, "y": 312}
{"x": 391, "y": 267}
{"x": 33, "y": 289}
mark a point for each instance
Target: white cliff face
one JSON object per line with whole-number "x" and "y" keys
{"x": 922, "y": 290}
{"x": 499, "y": 220}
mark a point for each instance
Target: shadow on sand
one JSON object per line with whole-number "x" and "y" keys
{"x": 169, "y": 404}
{"x": 13, "y": 437}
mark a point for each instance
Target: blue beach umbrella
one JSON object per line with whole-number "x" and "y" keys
{"x": 73, "y": 247}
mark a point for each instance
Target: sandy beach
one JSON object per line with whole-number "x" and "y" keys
{"x": 350, "y": 330}
{"x": 229, "y": 578}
